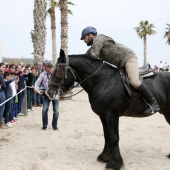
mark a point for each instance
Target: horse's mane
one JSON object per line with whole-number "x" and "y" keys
{"x": 90, "y": 60}
{"x": 87, "y": 57}
{"x": 77, "y": 55}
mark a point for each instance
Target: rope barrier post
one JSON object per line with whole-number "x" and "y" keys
{"x": 24, "y": 103}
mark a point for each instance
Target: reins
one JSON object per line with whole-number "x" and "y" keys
{"x": 91, "y": 74}
{"x": 81, "y": 82}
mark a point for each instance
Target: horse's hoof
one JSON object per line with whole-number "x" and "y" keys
{"x": 103, "y": 158}
{"x": 114, "y": 165}
{"x": 168, "y": 156}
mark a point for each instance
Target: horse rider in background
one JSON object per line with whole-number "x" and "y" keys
{"x": 109, "y": 50}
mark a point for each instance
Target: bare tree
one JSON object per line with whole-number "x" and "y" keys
{"x": 38, "y": 35}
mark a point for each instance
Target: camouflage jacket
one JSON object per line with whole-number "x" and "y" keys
{"x": 109, "y": 50}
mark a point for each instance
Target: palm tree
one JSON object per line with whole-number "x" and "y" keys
{"x": 143, "y": 30}
{"x": 64, "y": 39}
{"x": 63, "y": 4}
{"x": 51, "y": 11}
{"x": 38, "y": 35}
{"x": 167, "y": 34}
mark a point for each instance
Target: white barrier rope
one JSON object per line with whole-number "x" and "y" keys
{"x": 15, "y": 95}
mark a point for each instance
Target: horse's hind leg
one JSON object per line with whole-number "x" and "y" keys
{"x": 167, "y": 117}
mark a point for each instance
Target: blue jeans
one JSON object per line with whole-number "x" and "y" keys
{"x": 8, "y": 107}
{"x": 15, "y": 110}
{"x": 39, "y": 99}
{"x": 2, "y": 108}
{"x": 46, "y": 103}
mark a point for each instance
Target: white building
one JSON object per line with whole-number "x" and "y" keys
{"x": 1, "y": 45}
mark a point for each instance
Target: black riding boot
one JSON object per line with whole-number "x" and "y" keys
{"x": 150, "y": 99}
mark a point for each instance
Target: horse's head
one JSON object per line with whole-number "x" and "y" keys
{"x": 62, "y": 78}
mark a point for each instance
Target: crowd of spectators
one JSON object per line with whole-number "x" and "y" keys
{"x": 13, "y": 80}
{"x": 162, "y": 67}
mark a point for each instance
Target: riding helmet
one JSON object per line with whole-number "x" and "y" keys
{"x": 87, "y": 31}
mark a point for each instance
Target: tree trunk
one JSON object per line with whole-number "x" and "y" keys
{"x": 145, "y": 52}
{"x": 64, "y": 25}
{"x": 38, "y": 35}
{"x": 53, "y": 32}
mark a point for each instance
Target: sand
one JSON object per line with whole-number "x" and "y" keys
{"x": 144, "y": 142}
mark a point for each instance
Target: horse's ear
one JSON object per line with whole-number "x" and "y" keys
{"x": 62, "y": 57}
{"x": 62, "y": 53}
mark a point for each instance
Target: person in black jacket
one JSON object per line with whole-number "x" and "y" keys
{"x": 2, "y": 94}
{"x": 30, "y": 90}
{"x": 21, "y": 85}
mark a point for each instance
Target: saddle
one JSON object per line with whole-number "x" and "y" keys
{"x": 144, "y": 72}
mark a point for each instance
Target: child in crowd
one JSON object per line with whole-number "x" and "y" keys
{"x": 9, "y": 104}
{"x": 12, "y": 68}
{"x": 14, "y": 86}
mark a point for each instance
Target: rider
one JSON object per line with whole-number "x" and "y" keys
{"x": 109, "y": 50}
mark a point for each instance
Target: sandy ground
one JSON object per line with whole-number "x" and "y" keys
{"x": 144, "y": 143}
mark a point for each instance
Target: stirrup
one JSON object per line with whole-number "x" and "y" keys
{"x": 152, "y": 111}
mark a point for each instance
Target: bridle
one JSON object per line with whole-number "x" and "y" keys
{"x": 61, "y": 72}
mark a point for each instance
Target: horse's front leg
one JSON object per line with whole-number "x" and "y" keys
{"x": 105, "y": 156}
{"x": 116, "y": 161}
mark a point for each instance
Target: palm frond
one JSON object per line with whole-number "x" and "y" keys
{"x": 69, "y": 12}
{"x": 145, "y": 28}
{"x": 70, "y": 3}
{"x": 167, "y": 34}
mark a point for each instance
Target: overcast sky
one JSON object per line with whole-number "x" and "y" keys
{"x": 115, "y": 18}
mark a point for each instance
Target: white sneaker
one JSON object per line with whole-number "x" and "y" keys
{"x": 28, "y": 110}
{"x": 32, "y": 109}
{"x": 9, "y": 125}
{"x": 13, "y": 122}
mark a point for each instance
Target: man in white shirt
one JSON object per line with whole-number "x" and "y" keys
{"x": 161, "y": 66}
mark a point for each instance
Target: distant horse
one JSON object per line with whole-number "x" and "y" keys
{"x": 108, "y": 97}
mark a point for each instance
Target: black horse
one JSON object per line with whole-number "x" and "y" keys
{"x": 108, "y": 97}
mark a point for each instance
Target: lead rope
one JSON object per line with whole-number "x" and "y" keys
{"x": 71, "y": 95}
